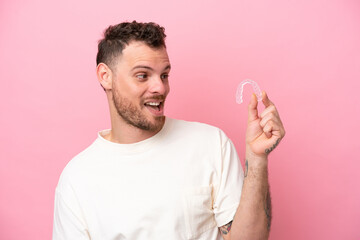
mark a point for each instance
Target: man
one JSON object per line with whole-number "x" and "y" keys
{"x": 152, "y": 177}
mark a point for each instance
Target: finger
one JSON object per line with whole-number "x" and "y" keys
{"x": 265, "y": 99}
{"x": 267, "y": 129}
{"x": 273, "y": 128}
{"x": 268, "y": 134}
{"x": 271, "y": 109}
{"x": 253, "y": 112}
{"x": 268, "y": 117}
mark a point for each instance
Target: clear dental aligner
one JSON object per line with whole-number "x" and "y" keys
{"x": 240, "y": 89}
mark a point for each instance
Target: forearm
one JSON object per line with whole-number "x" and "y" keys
{"x": 253, "y": 216}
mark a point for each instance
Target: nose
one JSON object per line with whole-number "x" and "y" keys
{"x": 159, "y": 86}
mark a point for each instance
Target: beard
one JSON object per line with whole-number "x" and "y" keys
{"x": 133, "y": 115}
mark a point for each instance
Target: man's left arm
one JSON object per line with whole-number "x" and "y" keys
{"x": 253, "y": 216}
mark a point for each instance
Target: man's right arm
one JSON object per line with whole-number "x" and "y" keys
{"x": 67, "y": 225}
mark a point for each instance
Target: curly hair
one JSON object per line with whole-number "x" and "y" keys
{"x": 118, "y": 36}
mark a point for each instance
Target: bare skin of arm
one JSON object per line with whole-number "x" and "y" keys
{"x": 253, "y": 217}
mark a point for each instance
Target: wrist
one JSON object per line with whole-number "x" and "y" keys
{"x": 255, "y": 159}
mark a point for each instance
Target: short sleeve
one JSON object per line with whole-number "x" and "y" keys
{"x": 228, "y": 193}
{"x": 68, "y": 223}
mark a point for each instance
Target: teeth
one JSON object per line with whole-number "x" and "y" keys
{"x": 153, "y": 104}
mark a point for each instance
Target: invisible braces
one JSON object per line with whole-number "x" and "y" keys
{"x": 240, "y": 89}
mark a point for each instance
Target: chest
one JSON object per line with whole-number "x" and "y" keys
{"x": 150, "y": 199}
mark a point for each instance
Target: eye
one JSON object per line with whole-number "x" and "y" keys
{"x": 141, "y": 76}
{"x": 164, "y": 76}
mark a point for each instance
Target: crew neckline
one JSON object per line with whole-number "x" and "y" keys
{"x": 132, "y": 148}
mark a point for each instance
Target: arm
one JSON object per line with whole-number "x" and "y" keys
{"x": 253, "y": 216}
{"x": 67, "y": 225}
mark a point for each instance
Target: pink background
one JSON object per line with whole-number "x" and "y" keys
{"x": 305, "y": 54}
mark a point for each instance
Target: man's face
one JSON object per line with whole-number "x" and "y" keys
{"x": 140, "y": 85}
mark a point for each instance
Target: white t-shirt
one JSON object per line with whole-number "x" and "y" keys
{"x": 182, "y": 183}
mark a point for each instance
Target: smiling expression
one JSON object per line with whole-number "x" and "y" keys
{"x": 140, "y": 85}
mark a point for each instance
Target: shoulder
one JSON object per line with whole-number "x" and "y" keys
{"x": 193, "y": 126}
{"x": 77, "y": 165}
{"x": 198, "y": 130}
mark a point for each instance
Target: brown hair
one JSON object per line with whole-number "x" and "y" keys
{"x": 118, "y": 36}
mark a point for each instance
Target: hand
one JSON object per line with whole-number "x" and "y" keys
{"x": 263, "y": 133}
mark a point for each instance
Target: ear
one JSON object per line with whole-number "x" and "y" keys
{"x": 104, "y": 75}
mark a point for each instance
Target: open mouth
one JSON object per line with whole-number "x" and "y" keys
{"x": 155, "y": 107}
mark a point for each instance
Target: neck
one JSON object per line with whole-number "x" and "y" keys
{"x": 124, "y": 133}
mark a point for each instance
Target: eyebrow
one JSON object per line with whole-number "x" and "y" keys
{"x": 168, "y": 67}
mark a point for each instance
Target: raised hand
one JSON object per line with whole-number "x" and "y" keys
{"x": 263, "y": 132}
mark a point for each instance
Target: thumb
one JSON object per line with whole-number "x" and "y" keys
{"x": 253, "y": 112}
